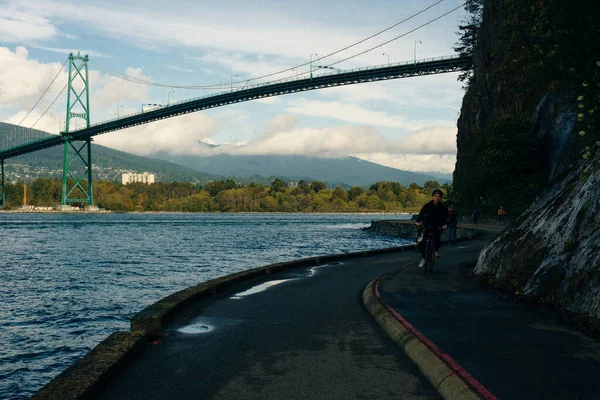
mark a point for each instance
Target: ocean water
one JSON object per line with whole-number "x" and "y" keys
{"x": 70, "y": 280}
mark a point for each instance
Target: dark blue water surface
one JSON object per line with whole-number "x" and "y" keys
{"x": 69, "y": 280}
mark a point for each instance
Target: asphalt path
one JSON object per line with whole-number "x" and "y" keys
{"x": 309, "y": 337}
{"x": 512, "y": 349}
{"x": 305, "y": 334}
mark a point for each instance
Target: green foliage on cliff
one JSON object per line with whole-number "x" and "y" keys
{"x": 551, "y": 45}
{"x": 507, "y": 168}
{"x": 469, "y": 32}
{"x": 533, "y": 47}
{"x": 228, "y": 196}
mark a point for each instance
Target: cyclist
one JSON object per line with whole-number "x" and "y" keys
{"x": 433, "y": 214}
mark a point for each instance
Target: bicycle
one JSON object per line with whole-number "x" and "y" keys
{"x": 429, "y": 250}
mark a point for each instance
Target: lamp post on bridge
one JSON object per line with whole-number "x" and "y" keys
{"x": 169, "y": 97}
{"x": 313, "y": 54}
{"x": 415, "y": 53}
{"x": 231, "y": 82}
{"x": 388, "y": 56}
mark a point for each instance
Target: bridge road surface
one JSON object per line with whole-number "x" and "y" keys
{"x": 310, "y": 337}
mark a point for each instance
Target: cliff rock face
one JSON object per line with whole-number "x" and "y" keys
{"x": 552, "y": 251}
{"x": 480, "y": 99}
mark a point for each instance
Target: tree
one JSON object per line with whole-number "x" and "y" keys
{"x": 354, "y": 192}
{"x": 303, "y": 188}
{"x": 339, "y": 193}
{"x": 317, "y": 186}
{"x": 430, "y": 186}
{"x": 469, "y": 33}
{"x": 278, "y": 186}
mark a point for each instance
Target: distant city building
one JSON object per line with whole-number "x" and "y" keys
{"x": 146, "y": 177}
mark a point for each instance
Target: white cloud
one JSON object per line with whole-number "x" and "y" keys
{"x": 269, "y": 100}
{"x": 67, "y": 51}
{"x": 290, "y": 30}
{"x": 23, "y": 81}
{"x": 18, "y": 27}
{"x": 331, "y": 142}
{"x": 440, "y": 139}
{"x": 112, "y": 90}
{"x": 442, "y": 163}
{"x": 179, "y": 135}
{"x": 361, "y": 93}
{"x": 50, "y": 122}
{"x": 280, "y": 123}
{"x": 176, "y": 68}
{"x": 431, "y": 149}
{"x": 349, "y": 113}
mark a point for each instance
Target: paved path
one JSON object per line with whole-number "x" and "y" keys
{"x": 310, "y": 337}
{"x": 306, "y": 338}
{"x": 513, "y": 350}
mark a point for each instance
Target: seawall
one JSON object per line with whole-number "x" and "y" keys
{"x": 406, "y": 229}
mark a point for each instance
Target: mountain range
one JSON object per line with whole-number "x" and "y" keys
{"x": 108, "y": 164}
{"x": 334, "y": 171}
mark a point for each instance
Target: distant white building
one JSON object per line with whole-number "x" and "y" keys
{"x": 146, "y": 177}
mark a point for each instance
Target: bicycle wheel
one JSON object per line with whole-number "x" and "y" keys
{"x": 429, "y": 255}
{"x": 431, "y": 260}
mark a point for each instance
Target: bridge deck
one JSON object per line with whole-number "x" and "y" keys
{"x": 274, "y": 88}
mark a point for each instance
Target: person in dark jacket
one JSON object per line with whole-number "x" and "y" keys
{"x": 434, "y": 214}
{"x": 475, "y": 215}
{"x": 452, "y": 221}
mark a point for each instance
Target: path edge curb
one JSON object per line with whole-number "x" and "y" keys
{"x": 445, "y": 380}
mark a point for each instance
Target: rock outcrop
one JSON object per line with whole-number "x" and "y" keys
{"x": 551, "y": 252}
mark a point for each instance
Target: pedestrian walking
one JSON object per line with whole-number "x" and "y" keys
{"x": 501, "y": 214}
{"x": 475, "y": 215}
{"x": 452, "y": 222}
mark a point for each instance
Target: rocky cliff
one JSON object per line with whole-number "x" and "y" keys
{"x": 551, "y": 252}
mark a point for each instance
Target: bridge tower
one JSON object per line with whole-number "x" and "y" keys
{"x": 78, "y": 102}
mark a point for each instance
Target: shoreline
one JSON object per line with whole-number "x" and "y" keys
{"x": 102, "y": 211}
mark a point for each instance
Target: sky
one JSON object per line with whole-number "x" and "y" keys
{"x": 409, "y": 123}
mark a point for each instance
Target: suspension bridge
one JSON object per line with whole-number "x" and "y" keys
{"x": 76, "y": 143}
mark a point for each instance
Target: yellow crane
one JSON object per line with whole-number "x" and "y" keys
{"x": 24, "y": 194}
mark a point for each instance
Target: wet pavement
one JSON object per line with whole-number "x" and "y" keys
{"x": 306, "y": 334}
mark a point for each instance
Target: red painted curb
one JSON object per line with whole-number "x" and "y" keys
{"x": 460, "y": 371}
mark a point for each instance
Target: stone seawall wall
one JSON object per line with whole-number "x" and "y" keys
{"x": 407, "y": 230}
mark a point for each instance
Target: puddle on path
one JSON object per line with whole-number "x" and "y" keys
{"x": 264, "y": 286}
{"x": 259, "y": 288}
{"x": 196, "y": 328}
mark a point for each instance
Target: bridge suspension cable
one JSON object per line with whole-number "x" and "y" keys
{"x": 51, "y": 104}
{"x": 215, "y": 86}
{"x": 399, "y": 36}
{"x": 43, "y": 94}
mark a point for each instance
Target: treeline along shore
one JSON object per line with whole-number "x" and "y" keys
{"x": 229, "y": 196}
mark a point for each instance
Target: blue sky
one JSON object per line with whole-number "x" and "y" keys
{"x": 405, "y": 123}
